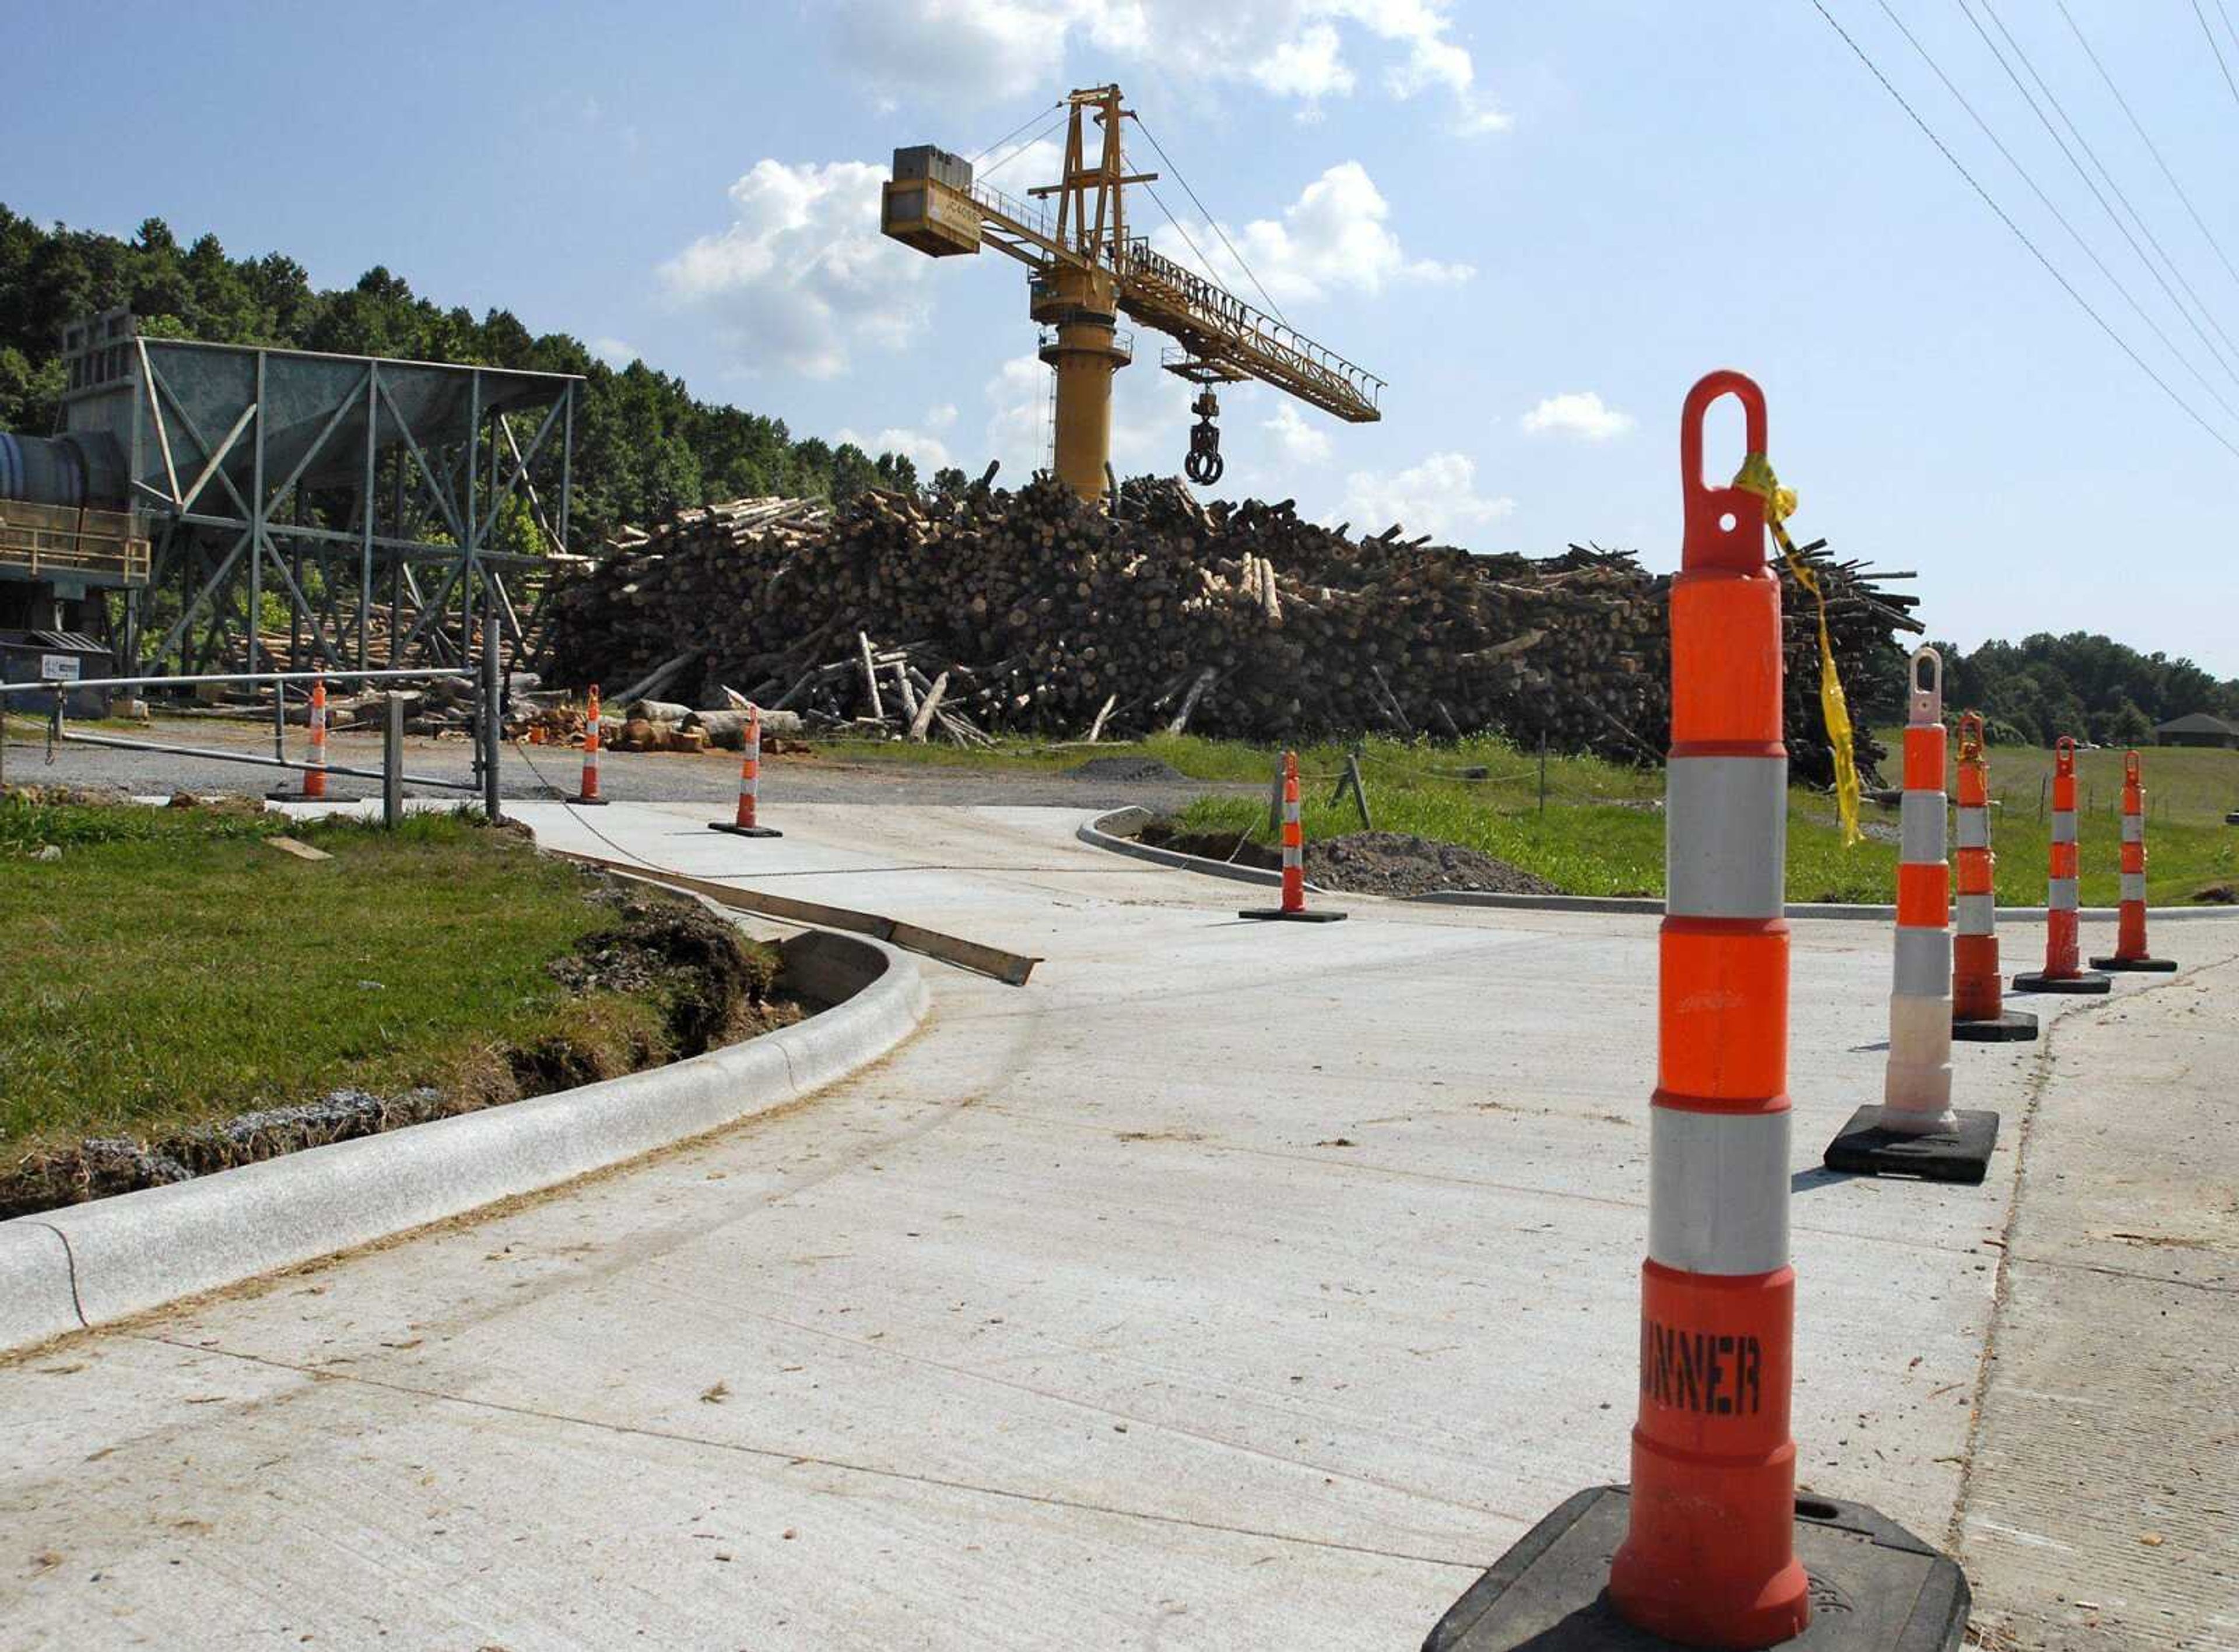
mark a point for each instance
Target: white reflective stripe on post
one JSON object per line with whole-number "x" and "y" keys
{"x": 1923, "y": 963}
{"x": 1290, "y": 812}
{"x": 1974, "y": 828}
{"x": 2134, "y": 885}
{"x": 1717, "y": 1191}
{"x": 1725, "y": 836}
{"x": 1977, "y": 914}
{"x": 2134, "y": 828}
{"x": 2063, "y": 825}
{"x": 1921, "y": 833}
{"x": 2060, "y": 894}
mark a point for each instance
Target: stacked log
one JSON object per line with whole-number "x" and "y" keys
{"x": 1036, "y": 614}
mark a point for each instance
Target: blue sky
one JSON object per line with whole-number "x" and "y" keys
{"x": 1540, "y": 223}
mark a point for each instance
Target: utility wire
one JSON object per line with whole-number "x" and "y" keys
{"x": 2217, "y": 49}
{"x": 2083, "y": 304}
{"x": 2089, "y": 251}
{"x": 2152, "y": 149}
{"x": 2083, "y": 144}
{"x": 1214, "y": 222}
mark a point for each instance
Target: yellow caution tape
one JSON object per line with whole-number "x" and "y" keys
{"x": 1756, "y": 477}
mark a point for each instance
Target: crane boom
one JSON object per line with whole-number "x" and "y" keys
{"x": 1086, "y": 269}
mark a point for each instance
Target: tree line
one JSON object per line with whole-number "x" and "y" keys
{"x": 2083, "y": 684}
{"x": 643, "y": 443}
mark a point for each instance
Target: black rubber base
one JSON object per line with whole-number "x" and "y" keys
{"x": 1277, "y": 915}
{"x": 1960, "y": 1155}
{"x": 588, "y": 802}
{"x": 2232, "y": 819}
{"x": 728, "y": 830}
{"x": 1874, "y": 1586}
{"x": 2136, "y": 966}
{"x": 299, "y": 797}
{"x": 2015, "y": 1026}
{"x": 2082, "y": 981}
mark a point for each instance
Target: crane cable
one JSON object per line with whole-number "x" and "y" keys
{"x": 2213, "y": 47}
{"x": 2022, "y": 236}
{"x": 1032, "y": 119}
{"x": 1169, "y": 161}
{"x": 1049, "y": 126}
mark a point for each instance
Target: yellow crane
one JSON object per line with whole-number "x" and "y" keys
{"x": 1086, "y": 269}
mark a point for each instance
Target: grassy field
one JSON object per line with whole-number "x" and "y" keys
{"x": 1601, "y": 833}
{"x": 171, "y": 968}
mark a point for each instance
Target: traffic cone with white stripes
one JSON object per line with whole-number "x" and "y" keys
{"x": 1709, "y": 1545}
{"x": 313, "y": 788}
{"x": 750, "y": 772}
{"x": 1978, "y": 1011}
{"x": 1914, "y": 1131}
{"x": 2130, "y": 953}
{"x": 2062, "y": 972}
{"x": 589, "y": 792}
{"x": 1293, "y": 909}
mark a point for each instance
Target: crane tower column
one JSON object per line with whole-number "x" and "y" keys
{"x": 1083, "y": 346}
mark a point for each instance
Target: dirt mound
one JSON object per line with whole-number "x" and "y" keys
{"x": 1399, "y": 863}
{"x": 1129, "y": 771}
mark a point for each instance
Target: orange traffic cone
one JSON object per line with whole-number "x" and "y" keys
{"x": 2130, "y": 953}
{"x": 2061, "y": 972}
{"x": 750, "y": 773}
{"x": 589, "y": 793}
{"x": 1711, "y": 1543}
{"x": 1293, "y": 909}
{"x": 1978, "y": 1011}
{"x": 1916, "y": 1131}
{"x": 313, "y": 788}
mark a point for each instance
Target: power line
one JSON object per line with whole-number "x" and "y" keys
{"x": 2083, "y": 304}
{"x": 2152, "y": 149}
{"x": 2061, "y": 217}
{"x": 2097, "y": 194}
{"x": 1214, "y": 222}
{"x": 2217, "y": 49}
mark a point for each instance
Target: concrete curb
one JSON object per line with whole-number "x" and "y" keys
{"x": 1094, "y": 833}
{"x": 91, "y": 1263}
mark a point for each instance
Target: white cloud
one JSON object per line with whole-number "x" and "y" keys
{"x": 1576, "y": 413}
{"x": 614, "y": 352}
{"x": 802, "y": 274}
{"x": 927, "y": 452}
{"x": 1335, "y": 235}
{"x": 1150, "y": 418}
{"x": 940, "y": 418}
{"x": 1299, "y": 442}
{"x": 1438, "y": 497}
{"x": 967, "y": 53}
{"x": 1017, "y": 422}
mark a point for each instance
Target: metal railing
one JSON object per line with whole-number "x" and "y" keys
{"x": 490, "y": 713}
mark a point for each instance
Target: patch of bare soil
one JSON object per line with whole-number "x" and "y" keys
{"x": 1129, "y": 771}
{"x": 714, "y": 988}
{"x": 1366, "y": 863}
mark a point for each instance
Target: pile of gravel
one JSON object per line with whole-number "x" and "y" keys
{"x": 1129, "y": 771}
{"x": 1399, "y": 863}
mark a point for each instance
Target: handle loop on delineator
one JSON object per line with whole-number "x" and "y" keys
{"x": 1927, "y": 702}
{"x": 2131, "y": 767}
{"x": 1723, "y": 526}
{"x": 2063, "y": 755}
{"x": 1972, "y": 738}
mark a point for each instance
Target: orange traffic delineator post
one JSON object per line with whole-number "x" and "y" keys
{"x": 589, "y": 791}
{"x": 314, "y": 786}
{"x": 1914, "y": 1131}
{"x": 1978, "y": 1010}
{"x": 1711, "y": 1546}
{"x": 2130, "y": 952}
{"x": 2062, "y": 972}
{"x": 1293, "y": 909}
{"x": 750, "y": 773}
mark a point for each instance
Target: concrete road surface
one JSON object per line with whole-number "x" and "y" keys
{"x": 1230, "y": 1285}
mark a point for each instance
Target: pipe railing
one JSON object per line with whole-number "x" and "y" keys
{"x": 489, "y": 723}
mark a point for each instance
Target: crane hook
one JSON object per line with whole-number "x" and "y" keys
{"x": 1205, "y": 465}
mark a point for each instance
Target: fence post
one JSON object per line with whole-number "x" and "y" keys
{"x": 392, "y": 759}
{"x": 1542, "y": 770}
{"x": 492, "y": 720}
{"x": 279, "y": 720}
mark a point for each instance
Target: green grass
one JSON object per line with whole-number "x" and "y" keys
{"x": 1588, "y": 842}
{"x": 171, "y": 968}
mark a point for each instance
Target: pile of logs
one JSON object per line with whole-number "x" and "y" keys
{"x": 1025, "y": 611}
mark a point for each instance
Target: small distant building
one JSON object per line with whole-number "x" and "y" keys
{"x": 2199, "y": 729}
